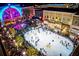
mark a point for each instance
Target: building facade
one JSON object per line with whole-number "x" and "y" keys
{"x": 74, "y": 31}
{"x": 58, "y": 21}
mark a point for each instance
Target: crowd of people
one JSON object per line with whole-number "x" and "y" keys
{"x": 13, "y": 40}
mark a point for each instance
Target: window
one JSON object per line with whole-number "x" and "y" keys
{"x": 47, "y": 16}
{"x": 76, "y": 22}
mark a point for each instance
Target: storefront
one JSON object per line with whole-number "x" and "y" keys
{"x": 75, "y": 27}
{"x": 73, "y": 32}
{"x": 65, "y": 29}
{"x": 58, "y": 21}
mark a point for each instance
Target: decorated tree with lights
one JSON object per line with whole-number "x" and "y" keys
{"x": 19, "y": 41}
{"x": 32, "y": 51}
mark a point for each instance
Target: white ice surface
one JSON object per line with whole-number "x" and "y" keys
{"x": 45, "y": 41}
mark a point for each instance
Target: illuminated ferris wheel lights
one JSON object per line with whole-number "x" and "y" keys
{"x": 9, "y": 4}
{"x": 9, "y": 12}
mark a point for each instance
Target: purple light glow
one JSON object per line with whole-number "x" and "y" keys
{"x": 18, "y": 27}
{"x": 10, "y": 14}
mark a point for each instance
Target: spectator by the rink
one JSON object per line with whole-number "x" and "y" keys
{"x": 76, "y": 39}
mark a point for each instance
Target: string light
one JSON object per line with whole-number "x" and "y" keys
{"x": 14, "y": 41}
{"x": 3, "y": 41}
{"x": 0, "y": 34}
{"x": 24, "y": 53}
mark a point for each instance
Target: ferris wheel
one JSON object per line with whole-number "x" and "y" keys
{"x": 10, "y": 13}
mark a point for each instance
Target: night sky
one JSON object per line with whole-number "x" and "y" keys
{"x": 25, "y": 4}
{"x": 33, "y": 4}
{"x": 22, "y": 4}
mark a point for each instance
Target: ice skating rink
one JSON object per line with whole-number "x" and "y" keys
{"x": 49, "y": 43}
